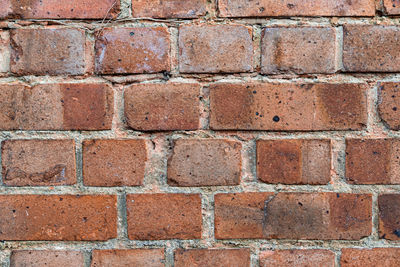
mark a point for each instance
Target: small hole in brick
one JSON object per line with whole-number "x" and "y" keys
{"x": 276, "y": 119}
{"x": 131, "y": 33}
{"x": 395, "y": 109}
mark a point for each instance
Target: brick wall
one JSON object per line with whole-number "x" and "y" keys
{"x": 200, "y": 133}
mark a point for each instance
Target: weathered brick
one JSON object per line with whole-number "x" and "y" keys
{"x": 128, "y": 257}
{"x": 114, "y": 162}
{"x": 392, "y": 7}
{"x": 51, "y": 51}
{"x": 294, "y": 161}
{"x": 38, "y": 162}
{"x": 389, "y": 104}
{"x": 389, "y": 214}
{"x": 297, "y": 257}
{"x": 205, "y": 162}
{"x": 322, "y": 216}
{"x": 68, "y": 106}
{"x": 132, "y": 50}
{"x": 212, "y": 257}
{"x": 299, "y": 50}
{"x": 58, "y": 217}
{"x": 46, "y": 258}
{"x": 171, "y": 106}
{"x": 288, "y": 106}
{"x": 5, "y": 8}
{"x": 168, "y": 8}
{"x": 164, "y": 216}
{"x": 382, "y": 257}
{"x": 71, "y": 9}
{"x": 273, "y": 8}
{"x": 371, "y": 48}
{"x": 4, "y": 51}
{"x": 373, "y": 161}
{"x": 215, "y": 48}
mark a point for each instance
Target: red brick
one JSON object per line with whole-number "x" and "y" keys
{"x": 288, "y": 106}
{"x": 392, "y": 7}
{"x": 164, "y": 216}
{"x": 371, "y": 48}
{"x": 71, "y": 9}
{"x": 4, "y": 51}
{"x": 322, "y": 216}
{"x": 297, "y": 257}
{"x": 382, "y": 257}
{"x": 51, "y": 51}
{"x": 46, "y": 258}
{"x": 389, "y": 104}
{"x": 294, "y": 161}
{"x": 132, "y": 50}
{"x": 5, "y": 8}
{"x": 38, "y": 162}
{"x": 215, "y": 48}
{"x": 273, "y": 8}
{"x": 170, "y": 106}
{"x": 168, "y": 8}
{"x": 212, "y": 257}
{"x": 202, "y": 162}
{"x": 299, "y": 50}
{"x": 71, "y": 106}
{"x": 389, "y": 214}
{"x": 58, "y": 217}
{"x": 373, "y": 161}
{"x": 128, "y": 257}
{"x": 114, "y": 162}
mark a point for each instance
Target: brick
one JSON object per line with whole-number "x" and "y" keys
{"x": 4, "y": 51}
{"x": 382, "y": 257}
{"x": 392, "y": 7}
{"x": 46, "y": 258}
{"x": 132, "y": 50}
{"x": 389, "y": 104}
{"x": 299, "y": 50}
{"x": 212, "y": 257}
{"x": 128, "y": 257}
{"x": 114, "y": 162}
{"x": 164, "y": 216}
{"x": 163, "y": 107}
{"x": 72, "y": 9}
{"x": 322, "y": 216}
{"x": 288, "y": 106}
{"x": 168, "y": 8}
{"x": 5, "y": 8}
{"x": 51, "y": 51}
{"x": 294, "y": 161}
{"x": 215, "y": 48}
{"x": 72, "y": 106}
{"x": 38, "y": 162}
{"x": 373, "y": 161}
{"x": 205, "y": 162}
{"x": 297, "y": 257}
{"x": 287, "y": 8}
{"x": 371, "y": 48}
{"x": 58, "y": 217}
{"x": 389, "y": 214}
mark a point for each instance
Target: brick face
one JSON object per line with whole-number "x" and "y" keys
{"x": 389, "y": 104}
{"x": 41, "y": 258}
{"x": 389, "y": 224}
{"x": 392, "y": 7}
{"x": 168, "y": 8}
{"x": 299, "y": 257}
{"x": 212, "y": 257}
{"x": 287, "y": 106}
{"x": 384, "y": 257}
{"x": 128, "y": 257}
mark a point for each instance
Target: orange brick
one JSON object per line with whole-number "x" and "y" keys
{"x": 389, "y": 212}
{"x": 58, "y": 217}
{"x": 163, "y": 107}
{"x": 128, "y": 257}
{"x": 205, "y": 162}
{"x": 322, "y": 216}
{"x": 382, "y": 257}
{"x": 205, "y": 49}
{"x": 168, "y": 8}
{"x": 288, "y": 106}
{"x": 132, "y": 50}
{"x": 46, "y": 258}
{"x": 389, "y": 104}
{"x": 294, "y": 161}
{"x": 164, "y": 216}
{"x": 38, "y": 162}
{"x": 212, "y": 257}
{"x": 392, "y": 7}
{"x": 114, "y": 162}
{"x": 297, "y": 257}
